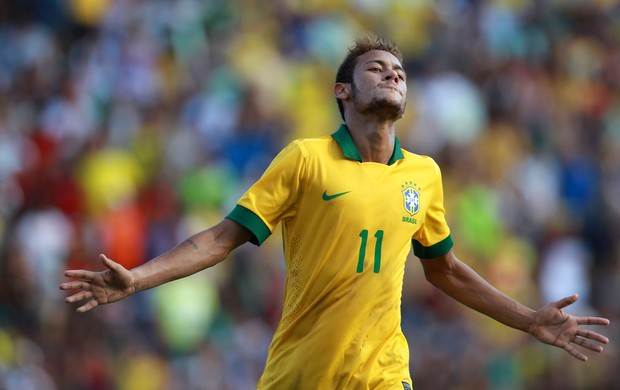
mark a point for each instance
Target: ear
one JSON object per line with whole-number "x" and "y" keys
{"x": 342, "y": 91}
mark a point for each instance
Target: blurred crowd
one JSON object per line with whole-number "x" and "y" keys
{"x": 127, "y": 125}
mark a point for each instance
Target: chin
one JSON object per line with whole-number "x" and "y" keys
{"x": 387, "y": 108}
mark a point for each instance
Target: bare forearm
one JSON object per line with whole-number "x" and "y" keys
{"x": 463, "y": 284}
{"x": 198, "y": 252}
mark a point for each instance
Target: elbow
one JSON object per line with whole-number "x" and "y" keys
{"x": 218, "y": 254}
{"x": 434, "y": 277}
{"x": 441, "y": 269}
{"x": 223, "y": 239}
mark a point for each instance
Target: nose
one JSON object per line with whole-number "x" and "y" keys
{"x": 391, "y": 74}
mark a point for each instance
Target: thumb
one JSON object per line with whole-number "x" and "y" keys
{"x": 562, "y": 303}
{"x": 110, "y": 264}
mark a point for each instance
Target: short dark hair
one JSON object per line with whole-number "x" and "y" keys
{"x": 363, "y": 44}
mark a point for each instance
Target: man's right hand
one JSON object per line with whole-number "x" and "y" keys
{"x": 111, "y": 285}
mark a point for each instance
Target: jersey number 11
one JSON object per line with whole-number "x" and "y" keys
{"x": 362, "y": 255}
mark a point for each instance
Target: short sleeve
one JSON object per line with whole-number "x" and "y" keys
{"x": 274, "y": 196}
{"x": 433, "y": 238}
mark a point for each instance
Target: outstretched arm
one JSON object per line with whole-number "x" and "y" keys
{"x": 549, "y": 324}
{"x": 200, "y": 251}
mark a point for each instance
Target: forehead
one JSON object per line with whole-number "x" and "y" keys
{"x": 378, "y": 56}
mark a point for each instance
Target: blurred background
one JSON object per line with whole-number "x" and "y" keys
{"x": 127, "y": 125}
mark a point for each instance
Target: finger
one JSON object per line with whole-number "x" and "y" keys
{"x": 79, "y": 296}
{"x": 110, "y": 264}
{"x": 592, "y": 336}
{"x": 84, "y": 285}
{"x": 592, "y": 321}
{"x": 80, "y": 274}
{"x": 89, "y": 305}
{"x": 575, "y": 353}
{"x": 562, "y": 303}
{"x": 588, "y": 344}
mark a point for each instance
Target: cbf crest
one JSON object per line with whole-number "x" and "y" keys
{"x": 411, "y": 198}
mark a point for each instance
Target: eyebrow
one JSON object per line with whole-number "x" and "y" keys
{"x": 383, "y": 63}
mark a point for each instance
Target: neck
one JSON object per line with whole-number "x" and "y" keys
{"x": 374, "y": 140}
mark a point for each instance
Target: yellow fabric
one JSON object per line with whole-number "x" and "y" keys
{"x": 340, "y": 327}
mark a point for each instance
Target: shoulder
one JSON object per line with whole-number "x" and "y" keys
{"x": 308, "y": 147}
{"x": 313, "y": 143}
{"x": 298, "y": 153}
{"x": 421, "y": 161}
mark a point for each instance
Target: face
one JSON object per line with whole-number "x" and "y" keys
{"x": 379, "y": 85}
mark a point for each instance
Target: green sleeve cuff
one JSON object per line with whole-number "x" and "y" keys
{"x": 436, "y": 250}
{"x": 252, "y": 222}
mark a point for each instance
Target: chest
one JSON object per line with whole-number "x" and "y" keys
{"x": 362, "y": 193}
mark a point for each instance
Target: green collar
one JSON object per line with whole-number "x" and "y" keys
{"x": 350, "y": 151}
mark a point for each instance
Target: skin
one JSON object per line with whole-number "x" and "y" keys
{"x": 200, "y": 251}
{"x": 373, "y": 103}
{"x": 378, "y": 78}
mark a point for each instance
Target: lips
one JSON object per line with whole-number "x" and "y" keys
{"x": 393, "y": 88}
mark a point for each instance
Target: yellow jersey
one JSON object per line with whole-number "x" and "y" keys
{"x": 347, "y": 228}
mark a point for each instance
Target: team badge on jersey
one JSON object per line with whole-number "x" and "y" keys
{"x": 411, "y": 199}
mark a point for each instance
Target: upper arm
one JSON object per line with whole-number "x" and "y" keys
{"x": 228, "y": 235}
{"x": 449, "y": 273}
{"x": 439, "y": 266}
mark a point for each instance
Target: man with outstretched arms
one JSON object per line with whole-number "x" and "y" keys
{"x": 351, "y": 205}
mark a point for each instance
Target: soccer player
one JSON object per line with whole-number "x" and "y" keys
{"x": 352, "y": 205}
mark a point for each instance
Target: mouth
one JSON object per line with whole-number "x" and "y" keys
{"x": 392, "y": 87}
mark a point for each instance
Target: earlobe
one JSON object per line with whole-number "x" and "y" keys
{"x": 341, "y": 91}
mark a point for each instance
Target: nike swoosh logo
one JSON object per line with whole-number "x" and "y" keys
{"x": 330, "y": 197}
